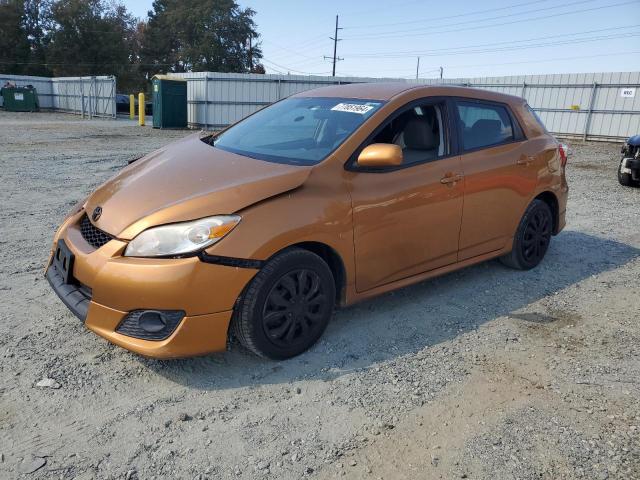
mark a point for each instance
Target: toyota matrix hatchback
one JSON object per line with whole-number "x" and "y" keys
{"x": 325, "y": 198}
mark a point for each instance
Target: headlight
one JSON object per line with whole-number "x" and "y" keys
{"x": 181, "y": 238}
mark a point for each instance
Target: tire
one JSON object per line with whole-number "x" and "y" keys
{"x": 625, "y": 179}
{"x": 287, "y": 306}
{"x": 532, "y": 238}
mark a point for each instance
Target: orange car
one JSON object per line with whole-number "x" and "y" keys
{"x": 325, "y": 198}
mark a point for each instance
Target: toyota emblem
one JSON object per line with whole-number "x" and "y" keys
{"x": 97, "y": 212}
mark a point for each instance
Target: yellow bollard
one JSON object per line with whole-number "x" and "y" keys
{"x": 132, "y": 106}
{"x": 141, "y": 109}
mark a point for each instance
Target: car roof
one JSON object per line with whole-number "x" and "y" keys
{"x": 386, "y": 91}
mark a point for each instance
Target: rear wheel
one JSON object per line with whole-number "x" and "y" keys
{"x": 287, "y": 305}
{"x": 532, "y": 238}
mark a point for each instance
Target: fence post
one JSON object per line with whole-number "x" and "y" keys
{"x": 89, "y": 107}
{"x": 206, "y": 101}
{"x": 112, "y": 99}
{"x": 94, "y": 98}
{"x": 524, "y": 88}
{"x": 82, "y": 95}
{"x": 590, "y": 112}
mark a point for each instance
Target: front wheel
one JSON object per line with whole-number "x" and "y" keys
{"x": 532, "y": 238}
{"x": 625, "y": 179}
{"x": 287, "y": 306}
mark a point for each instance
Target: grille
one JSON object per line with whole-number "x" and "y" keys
{"x": 93, "y": 235}
{"x": 129, "y": 325}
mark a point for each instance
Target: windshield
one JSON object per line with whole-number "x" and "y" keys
{"x": 297, "y": 131}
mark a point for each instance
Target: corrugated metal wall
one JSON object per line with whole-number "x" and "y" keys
{"x": 587, "y": 105}
{"x": 220, "y": 99}
{"x": 86, "y": 96}
{"x": 584, "y": 105}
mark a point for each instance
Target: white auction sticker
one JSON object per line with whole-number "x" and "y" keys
{"x": 352, "y": 108}
{"x": 628, "y": 92}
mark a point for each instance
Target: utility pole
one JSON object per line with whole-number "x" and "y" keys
{"x": 335, "y": 48}
{"x": 418, "y": 68}
{"x": 441, "y": 71}
{"x": 250, "y": 56}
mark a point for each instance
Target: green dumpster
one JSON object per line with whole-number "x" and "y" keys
{"x": 20, "y": 99}
{"x": 169, "y": 102}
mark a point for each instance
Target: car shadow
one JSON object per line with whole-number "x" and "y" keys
{"x": 411, "y": 319}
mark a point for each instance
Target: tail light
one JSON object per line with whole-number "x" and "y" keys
{"x": 562, "y": 150}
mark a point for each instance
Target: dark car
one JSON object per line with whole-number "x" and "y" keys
{"x": 122, "y": 104}
{"x": 629, "y": 169}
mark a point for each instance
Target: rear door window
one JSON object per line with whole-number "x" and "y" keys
{"x": 484, "y": 125}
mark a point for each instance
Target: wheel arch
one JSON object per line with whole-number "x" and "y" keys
{"x": 550, "y": 199}
{"x": 333, "y": 260}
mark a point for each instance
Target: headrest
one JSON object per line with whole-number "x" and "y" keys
{"x": 487, "y": 127}
{"x": 418, "y": 135}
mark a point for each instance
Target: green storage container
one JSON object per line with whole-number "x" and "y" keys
{"x": 20, "y": 99}
{"x": 169, "y": 102}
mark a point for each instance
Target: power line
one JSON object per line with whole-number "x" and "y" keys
{"x": 544, "y": 17}
{"x": 447, "y": 17}
{"x": 548, "y": 60}
{"x": 615, "y": 36}
{"x": 545, "y": 60}
{"x": 466, "y": 22}
{"x": 291, "y": 69}
{"x": 392, "y": 5}
{"x": 312, "y": 41}
{"x": 443, "y": 51}
{"x": 286, "y": 49}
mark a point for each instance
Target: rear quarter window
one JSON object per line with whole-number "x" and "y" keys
{"x": 538, "y": 120}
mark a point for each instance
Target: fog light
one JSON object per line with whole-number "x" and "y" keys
{"x": 152, "y": 321}
{"x": 150, "y": 324}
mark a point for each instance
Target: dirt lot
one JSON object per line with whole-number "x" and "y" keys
{"x": 487, "y": 373}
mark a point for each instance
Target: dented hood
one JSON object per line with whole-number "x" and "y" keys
{"x": 187, "y": 180}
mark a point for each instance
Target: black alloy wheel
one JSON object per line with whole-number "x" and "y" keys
{"x": 294, "y": 308}
{"x": 537, "y": 236}
{"x": 532, "y": 239}
{"x": 286, "y": 306}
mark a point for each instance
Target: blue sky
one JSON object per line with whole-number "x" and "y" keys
{"x": 467, "y": 38}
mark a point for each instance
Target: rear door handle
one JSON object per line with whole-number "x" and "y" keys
{"x": 451, "y": 178}
{"x": 526, "y": 160}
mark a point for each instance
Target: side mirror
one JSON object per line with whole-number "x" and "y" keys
{"x": 380, "y": 155}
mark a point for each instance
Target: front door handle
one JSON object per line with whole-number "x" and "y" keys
{"x": 526, "y": 160}
{"x": 451, "y": 178}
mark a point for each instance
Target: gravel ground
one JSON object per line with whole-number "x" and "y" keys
{"x": 484, "y": 373}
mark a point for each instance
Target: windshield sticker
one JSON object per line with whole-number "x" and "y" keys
{"x": 353, "y": 108}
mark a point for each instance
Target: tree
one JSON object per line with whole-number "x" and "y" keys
{"x": 37, "y": 20}
{"x": 200, "y": 35}
{"x": 14, "y": 41}
{"x": 88, "y": 38}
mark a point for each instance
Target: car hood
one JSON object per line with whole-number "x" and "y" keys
{"x": 635, "y": 140}
{"x": 186, "y": 180}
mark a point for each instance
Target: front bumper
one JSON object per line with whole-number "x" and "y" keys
{"x": 107, "y": 286}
